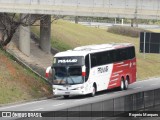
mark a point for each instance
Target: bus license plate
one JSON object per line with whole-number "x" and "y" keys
{"x": 67, "y": 92}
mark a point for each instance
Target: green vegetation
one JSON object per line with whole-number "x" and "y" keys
{"x": 19, "y": 84}
{"x": 126, "y": 30}
{"x": 66, "y": 35}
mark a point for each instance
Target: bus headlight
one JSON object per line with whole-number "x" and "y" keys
{"x": 79, "y": 88}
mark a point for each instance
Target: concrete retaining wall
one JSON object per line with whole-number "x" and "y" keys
{"x": 112, "y": 107}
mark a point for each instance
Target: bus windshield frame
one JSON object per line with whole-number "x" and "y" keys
{"x": 68, "y": 70}
{"x": 68, "y": 75}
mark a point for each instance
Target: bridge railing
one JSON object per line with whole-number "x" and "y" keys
{"x": 140, "y": 9}
{"x": 132, "y": 4}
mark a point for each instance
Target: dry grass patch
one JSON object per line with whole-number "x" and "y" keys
{"x": 18, "y": 84}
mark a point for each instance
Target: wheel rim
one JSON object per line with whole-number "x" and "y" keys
{"x": 122, "y": 85}
{"x": 93, "y": 91}
{"x": 126, "y": 84}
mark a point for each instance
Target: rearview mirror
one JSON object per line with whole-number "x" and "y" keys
{"x": 50, "y": 72}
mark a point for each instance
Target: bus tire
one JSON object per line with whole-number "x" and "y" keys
{"x": 126, "y": 83}
{"x": 122, "y": 85}
{"x": 66, "y": 96}
{"x": 93, "y": 91}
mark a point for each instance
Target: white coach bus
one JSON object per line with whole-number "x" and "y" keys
{"x": 89, "y": 69}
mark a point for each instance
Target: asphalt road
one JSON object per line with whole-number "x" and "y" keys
{"x": 59, "y": 103}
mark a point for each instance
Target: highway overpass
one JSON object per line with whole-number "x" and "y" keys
{"x": 134, "y": 9}
{"x": 143, "y": 9}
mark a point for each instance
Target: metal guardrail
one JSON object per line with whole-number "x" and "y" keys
{"x": 144, "y": 9}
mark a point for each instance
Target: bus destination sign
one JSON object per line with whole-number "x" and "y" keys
{"x": 74, "y": 60}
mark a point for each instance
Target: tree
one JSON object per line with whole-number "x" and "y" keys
{"x": 10, "y": 22}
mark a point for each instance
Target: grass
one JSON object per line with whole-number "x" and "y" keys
{"x": 66, "y": 35}
{"x": 19, "y": 84}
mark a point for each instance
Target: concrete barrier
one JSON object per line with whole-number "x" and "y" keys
{"x": 157, "y": 97}
{"x": 108, "y": 106}
{"x": 128, "y": 103}
{"x": 61, "y": 115}
{"x": 149, "y": 98}
{"x": 138, "y": 101}
{"x": 85, "y": 111}
{"x": 120, "y": 106}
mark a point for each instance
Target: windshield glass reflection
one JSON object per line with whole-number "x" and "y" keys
{"x": 68, "y": 75}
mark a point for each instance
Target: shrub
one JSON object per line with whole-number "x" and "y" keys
{"x": 126, "y": 30}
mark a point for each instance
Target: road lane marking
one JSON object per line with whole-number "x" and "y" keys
{"x": 118, "y": 92}
{"x": 21, "y": 104}
{"x": 58, "y": 104}
{"x": 137, "y": 88}
{"x": 37, "y": 109}
{"x": 80, "y": 100}
{"x": 153, "y": 84}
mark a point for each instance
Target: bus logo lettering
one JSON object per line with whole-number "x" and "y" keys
{"x": 68, "y": 61}
{"x": 103, "y": 69}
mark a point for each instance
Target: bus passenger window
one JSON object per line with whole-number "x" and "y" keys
{"x": 93, "y": 60}
{"x": 87, "y": 67}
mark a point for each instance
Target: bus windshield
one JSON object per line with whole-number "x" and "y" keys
{"x": 68, "y": 75}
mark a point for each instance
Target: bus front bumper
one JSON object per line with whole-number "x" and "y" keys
{"x": 68, "y": 92}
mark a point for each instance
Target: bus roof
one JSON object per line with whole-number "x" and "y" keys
{"x": 84, "y": 50}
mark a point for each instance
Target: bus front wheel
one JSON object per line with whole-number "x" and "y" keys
{"x": 93, "y": 91}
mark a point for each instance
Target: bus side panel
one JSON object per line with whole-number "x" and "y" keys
{"x": 122, "y": 69}
{"x": 101, "y": 76}
{"x": 133, "y": 71}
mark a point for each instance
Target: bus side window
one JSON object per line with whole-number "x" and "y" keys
{"x": 121, "y": 54}
{"x": 87, "y": 67}
{"x": 131, "y": 52}
{"x": 112, "y": 54}
{"x": 93, "y": 60}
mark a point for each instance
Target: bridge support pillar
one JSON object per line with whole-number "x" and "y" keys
{"x": 45, "y": 34}
{"x": 24, "y": 38}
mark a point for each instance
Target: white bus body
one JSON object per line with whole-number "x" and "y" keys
{"x": 89, "y": 69}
